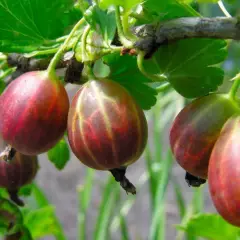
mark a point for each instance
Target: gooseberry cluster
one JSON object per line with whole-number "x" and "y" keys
{"x": 106, "y": 128}
{"x": 204, "y": 139}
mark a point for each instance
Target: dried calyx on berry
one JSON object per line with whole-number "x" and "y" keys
{"x": 119, "y": 175}
{"x": 16, "y": 170}
{"x": 194, "y": 181}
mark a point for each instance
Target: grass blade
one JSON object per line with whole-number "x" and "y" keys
{"x": 158, "y": 216}
{"x": 124, "y": 228}
{"x": 84, "y": 196}
{"x": 126, "y": 206}
{"x": 198, "y": 200}
{"x": 180, "y": 199}
{"x": 107, "y": 207}
{"x": 195, "y": 207}
{"x": 151, "y": 181}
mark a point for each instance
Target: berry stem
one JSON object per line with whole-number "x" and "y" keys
{"x": 59, "y": 53}
{"x": 125, "y": 24}
{"x": 125, "y": 42}
{"x": 153, "y": 77}
{"x": 235, "y": 86}
{"x": 163, "y": 87}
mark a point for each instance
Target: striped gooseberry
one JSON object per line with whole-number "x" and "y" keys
{"x": 196, "y": 129}
{"x": 106, "y": 127}
{"x": 33, "y": 113}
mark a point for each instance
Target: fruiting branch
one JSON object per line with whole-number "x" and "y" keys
{"x": 23, "y": 64}
{"x": 153, "y": 36}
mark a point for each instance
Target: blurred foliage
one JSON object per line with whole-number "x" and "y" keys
{"x": 39, "y": 216}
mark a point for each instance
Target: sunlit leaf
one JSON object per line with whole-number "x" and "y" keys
{"x": 126, "y": 4}
{"x": 124, "y": 70}
{"x": 59, "y": 155}
{"x": 210, "y": 226}
{"x": 41, "y": 222}
{"x": 26, "y": 25}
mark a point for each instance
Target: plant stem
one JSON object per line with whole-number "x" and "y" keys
{"x": 89, "y": 71}
{"x": 84, "y": 52}
{"x": 163, "y": 87}
{"x": 235, "y": 86}
{"x": 59, "y": 53}
{"x": 153, "y": 77}
{"x": 40, "y": 52}
{"x": 224, "y": 10}
{"x": 125, "y": 25}
{"x": 125, "y": 42}
{"x": 7, "y": 72}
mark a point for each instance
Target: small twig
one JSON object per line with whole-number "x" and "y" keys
{"x": 119, "y": 175}
{"x": 23, "y": 64}
{"x": 154, "y": 36}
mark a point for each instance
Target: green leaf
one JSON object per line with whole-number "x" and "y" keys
{"x": 231, "y": 1}
{"x": 2, "y": 86}
{"x": 59, "y": 155}
{"x": 160, "y": 9}
{"x": 41, "y": 222}
{"x": 25, "y": 190}
{"x": 210, "y": 226}
{"x": 42, "y": 202}
{"x": 26, "y": 25}
{"x": 188, "y": 64}
{"x": 11, "y": 219}
{"x": 207, "y": 1}
{"x": 124, "y": 70}
{"x": 26, "y": 235}
{"x": 103, "y": 22}
{"x": 126, "y": 4}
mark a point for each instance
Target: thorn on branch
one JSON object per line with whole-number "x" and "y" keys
{"x": 119, "y": 175}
